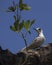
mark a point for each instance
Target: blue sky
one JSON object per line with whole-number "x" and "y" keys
{"x": 41, "y": 10}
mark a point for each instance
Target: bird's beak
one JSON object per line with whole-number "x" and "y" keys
{"x": 35, "y": 29}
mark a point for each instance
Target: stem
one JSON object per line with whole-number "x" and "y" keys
{"x": 24, "y": 40}
{"x": 17, "y": 14}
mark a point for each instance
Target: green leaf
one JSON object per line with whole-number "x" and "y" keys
{"x": 12, "y": 28}
{"x": 16, "y": 25}
{"x": 27, "y": 8}
{"x": 12, "y": 8}
{"x": 24, "y": 7}
{"x": 21, "y": 25}
{"x": 32, "y": 22}
{"x": 20, "y": 4}
{"x": 27, "y": 25}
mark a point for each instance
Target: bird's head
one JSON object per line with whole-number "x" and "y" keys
{"x": 39, "y": 30}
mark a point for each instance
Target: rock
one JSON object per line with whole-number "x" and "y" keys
{"x": 40, "y": 56}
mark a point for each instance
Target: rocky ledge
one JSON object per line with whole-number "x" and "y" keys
{"x": 40, "y": 56}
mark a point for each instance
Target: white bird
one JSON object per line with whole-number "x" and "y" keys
{"x": 37, "y": 41}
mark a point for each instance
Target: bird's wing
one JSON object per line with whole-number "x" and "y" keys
{"x": 36, "y": 43}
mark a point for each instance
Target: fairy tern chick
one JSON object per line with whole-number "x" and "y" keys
{"x": 37, "y": 41}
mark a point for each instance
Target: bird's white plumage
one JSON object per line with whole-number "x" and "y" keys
{"x": 37, "y": 41}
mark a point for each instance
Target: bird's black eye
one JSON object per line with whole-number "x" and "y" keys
{"x": 39, "y": 29}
